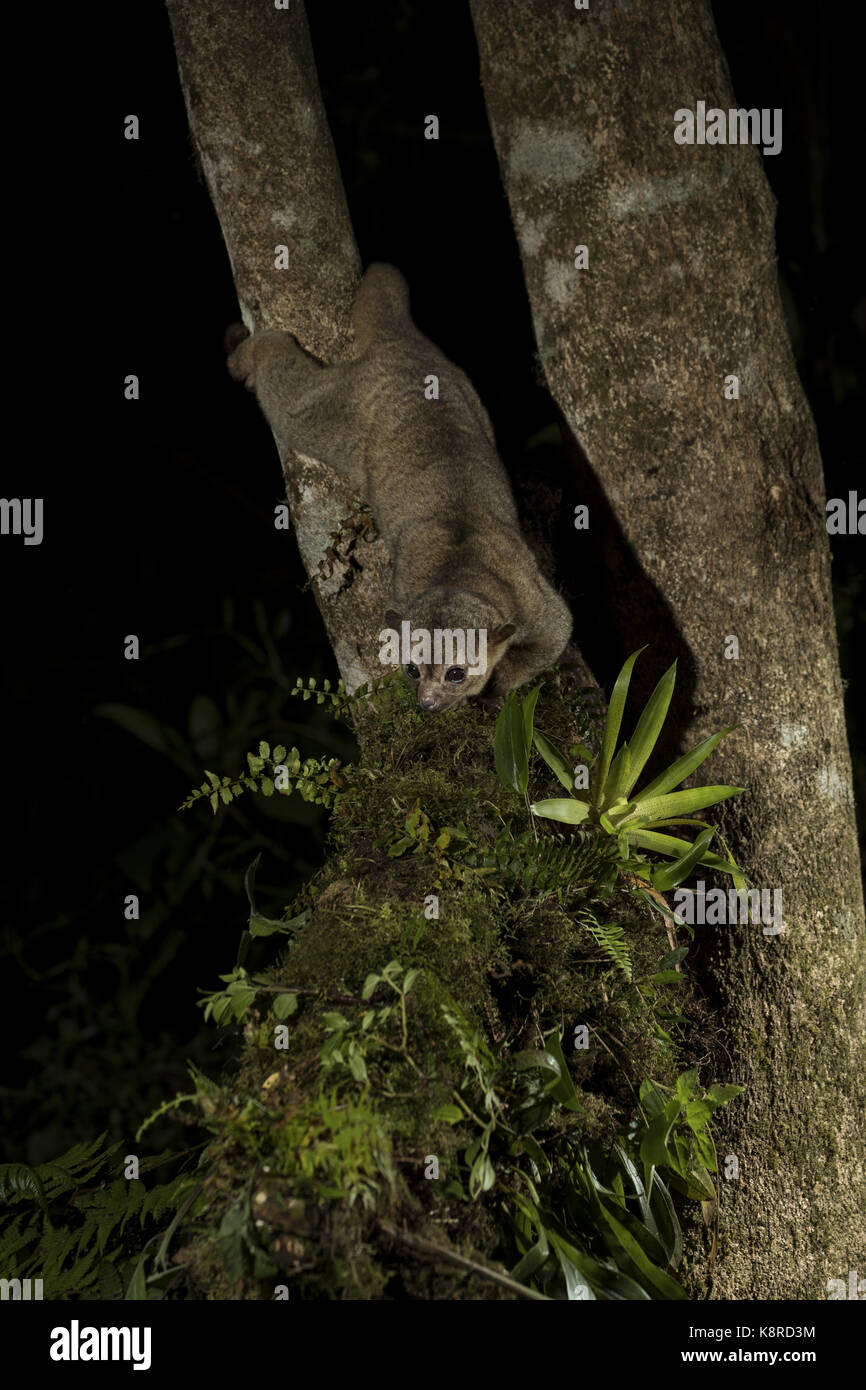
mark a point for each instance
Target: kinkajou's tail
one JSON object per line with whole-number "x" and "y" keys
{"x": 381, "y": 306}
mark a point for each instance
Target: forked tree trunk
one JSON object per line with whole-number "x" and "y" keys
{"x": 721, "y": 507}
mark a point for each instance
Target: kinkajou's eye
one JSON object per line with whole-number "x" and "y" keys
{"x": 412, "y": 671}
{"x": 455, "y": 674}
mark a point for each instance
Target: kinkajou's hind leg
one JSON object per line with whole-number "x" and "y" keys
{"x": 279, "y": 354}
{"x": 310, "y": 407}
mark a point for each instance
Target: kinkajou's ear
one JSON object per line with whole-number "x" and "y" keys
{"x": 393, "y": 619}
{"x": 500, "y": 634}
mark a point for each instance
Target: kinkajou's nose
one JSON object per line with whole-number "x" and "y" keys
{"x": 428, "y": 702}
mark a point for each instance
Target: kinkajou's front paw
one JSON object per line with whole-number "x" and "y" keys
{"x": 491, "y": 698}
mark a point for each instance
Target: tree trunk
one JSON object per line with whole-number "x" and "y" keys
{"x": 721, "y": 508}
{"x": 260, "y": 130}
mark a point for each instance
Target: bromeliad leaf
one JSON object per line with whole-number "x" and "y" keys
{"x": 528, "y": 708}
{"x": 684, "y": 766}
{"x": 554, "y": 759}
{"x": 613, "y": 723}
{"x": 649, "y": 725}
{"x": 672, "y": 874}
{"x": 675, "y": 848}
{"x": 568, "y": 810}
{"x": 510, "y": 747}
{"x": 564, "y": 1090}
{"x": 617, "y": 779}
{"x": 678, "y": 803}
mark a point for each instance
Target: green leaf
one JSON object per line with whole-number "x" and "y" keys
{"x": 685, "y": 766}
{"x": 264, "y": 749}
{"x": 265, "y": 926}
{"x": 617, "y": 779}
{"x": 241, "y": 1002}
{"x": 697, "y": 1113}
{"x": 450, "y": 1114}
{"x": 221, "y": 1006}
{"x": 357, "y": 1065}
{"x": 673, "y": 957}
{"x": 533, "y": 1058}
{"x": 651, "y": 1098}
{"x": 612, "y": 725}
{"x": 285, "y": 1005}
{"x": 667, "y": 1287}
{"x": 653, "y": 1148}
{"x": 675, "y": 803}
{"x": 577, "y": 1286}
{"x": 137, "y": 1289}
{"x": 527, "y": 706}
{"x": 563, "y": 1090}
{"x": 604, "y": 1278}
{"x": 667, "y": 1223}
{"x": 510, "y": 748}
{"x": 570, "y": 811}
{"x": 554, "y": 759}
{"x": 649, "y": 726}
{"x": 675, "y": 848}
{"x": 672, "y": 874}
{"x": 722, "y": 1094}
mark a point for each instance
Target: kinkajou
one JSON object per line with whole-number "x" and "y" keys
{"x": 429, "y": 470}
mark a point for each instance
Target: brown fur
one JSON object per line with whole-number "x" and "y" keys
{"x": 431, "y": 475}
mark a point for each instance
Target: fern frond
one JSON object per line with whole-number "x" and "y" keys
{"x": 609, "y": 937}
{"x": 556, "y": 864}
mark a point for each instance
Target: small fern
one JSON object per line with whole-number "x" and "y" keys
{"x": 76, "y": 1223}
{"x": 280, "y": 770}
{"x": 609, "y": 937}
{"x": 270, "y": 772}
{"x": 555, "y": 865}
{"x": 339, "y": 701}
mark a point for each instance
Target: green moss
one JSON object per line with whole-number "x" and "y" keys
{"x": 385, "y": 1084}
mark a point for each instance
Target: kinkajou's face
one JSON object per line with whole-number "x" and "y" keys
{"x": 448, "y": 643}
{"x": 443, "y": 687}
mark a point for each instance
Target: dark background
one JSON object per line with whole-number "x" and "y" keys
{"x": 158, "y": 515}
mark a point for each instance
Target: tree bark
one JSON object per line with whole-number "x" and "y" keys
{"x": 260, "y": 130}
{"x": 709, "y": 518}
